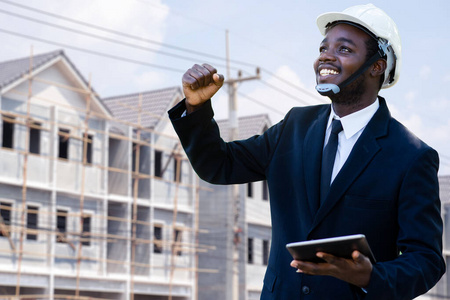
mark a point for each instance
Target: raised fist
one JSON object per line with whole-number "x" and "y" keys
{"x": 200, "y": 83}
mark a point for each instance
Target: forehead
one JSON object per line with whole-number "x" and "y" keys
{"x": 347, "y": 32}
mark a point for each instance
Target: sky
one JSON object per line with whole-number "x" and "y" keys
{"x": 131, "y": 46}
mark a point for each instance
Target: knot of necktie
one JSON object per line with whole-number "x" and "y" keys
{"x": 336, "y": 126}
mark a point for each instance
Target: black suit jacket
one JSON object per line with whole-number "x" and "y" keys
{"x": 387, "y": 190}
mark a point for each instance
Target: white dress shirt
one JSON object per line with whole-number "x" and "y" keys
{"x": 353, "y": 125}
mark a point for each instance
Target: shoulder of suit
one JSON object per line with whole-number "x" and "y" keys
{"x": 310, "y": 110}
{"x": 402, "y": 134}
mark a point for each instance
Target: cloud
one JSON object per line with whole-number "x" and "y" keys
{"x": 132, "y": 18}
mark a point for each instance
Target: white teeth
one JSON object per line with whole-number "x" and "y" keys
{"x": 326, "y": 72}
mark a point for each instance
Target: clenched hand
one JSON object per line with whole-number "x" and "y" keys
{"x": 200, "y": 83}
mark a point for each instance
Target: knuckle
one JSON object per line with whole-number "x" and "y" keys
{"x": 209, "y": 68}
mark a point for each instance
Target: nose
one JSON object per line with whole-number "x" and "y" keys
{"x": 326, "y": 56}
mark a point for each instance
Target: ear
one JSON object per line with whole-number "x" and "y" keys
{"x": 378, "y": 68}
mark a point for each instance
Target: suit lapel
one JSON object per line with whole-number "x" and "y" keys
{"x": 361, "y": 155}
{"x": 312, "y": 156}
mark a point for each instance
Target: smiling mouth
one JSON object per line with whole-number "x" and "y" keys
{"x": 328, "y": 72}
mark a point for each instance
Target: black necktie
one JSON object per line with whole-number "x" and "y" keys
{"x": 329, "y": 154}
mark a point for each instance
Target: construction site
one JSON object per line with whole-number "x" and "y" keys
{"x": 97, "y": 197}
{"x": 98, "y": 200}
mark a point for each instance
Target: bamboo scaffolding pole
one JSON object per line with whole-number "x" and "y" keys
{"x": 108, "y": 260}
{"x": 122, "y": 171}
{"x": 102, "y": 132}
{"x": 89, "y": 91}
{"x": 186, "y": 246}
{"x": 83, "y": 183}
{"x": 196, "y": 231}
{"x": 48, "y": 296}
{"x": 10, "y": 117}
{"x": 111, "y": 218}
{"x": 53, "y": 231}
{"x": 24, "y": 174}
{"x": 5, "y": 232}
{"x": 176, "y": 238}
{"x": 101, "y": 116}
{"x": 135, "y": 196}
{"x": 112, "y": 169}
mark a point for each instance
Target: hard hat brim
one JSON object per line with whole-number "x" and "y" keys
{"x": 325, "y": 19}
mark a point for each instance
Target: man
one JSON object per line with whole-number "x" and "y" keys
{"x": 382, "y": 182}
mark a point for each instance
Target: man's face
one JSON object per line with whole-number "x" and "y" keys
{"x": 342, "y": 52}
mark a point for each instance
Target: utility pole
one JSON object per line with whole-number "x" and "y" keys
{"x": 233, "y": 124}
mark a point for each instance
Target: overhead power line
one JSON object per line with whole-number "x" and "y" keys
{"x": 299, "y": 100}
{"x": 102, "y": 54}
{"x": 127, "y": 35}
{"x": 303, "y": 90}
{"x": 99, "y": 37}
{"x": 261, "y": 104}
{"x": 134, "y": 46}
{"x": 139, "y": 38}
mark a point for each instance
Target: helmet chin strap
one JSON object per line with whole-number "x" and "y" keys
{"x": 330, "y": 89}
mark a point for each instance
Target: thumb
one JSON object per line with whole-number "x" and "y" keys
{"x": 218, "y": 79}
{"x": 358, "y": 257}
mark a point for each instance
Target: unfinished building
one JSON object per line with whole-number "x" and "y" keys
{"x": 91, "y": 206}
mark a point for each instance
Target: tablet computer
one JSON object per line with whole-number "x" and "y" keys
{"x": 341, "y": 246}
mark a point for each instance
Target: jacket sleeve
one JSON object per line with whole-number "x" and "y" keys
{"x": 216, "y": 161}
{"x": 420, "y": 263}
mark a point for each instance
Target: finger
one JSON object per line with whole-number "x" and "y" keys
{"x": 205, "y": 77}
{"x": 190, "y": 81}
{"x": 331, "y": 259}
{"x": 296, "y": 264}
{"x": 210, "y": 68}
{"x": 311, "y": 268}
{"x": 199, "y": 73}
{"x": 218, "y": 79}
{"x": 358, "y": 257}
{"x": 193, "y": 78}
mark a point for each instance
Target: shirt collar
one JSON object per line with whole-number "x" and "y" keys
{"x": 356, "y": 121}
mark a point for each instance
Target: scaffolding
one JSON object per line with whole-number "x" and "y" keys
{"x": 139, "y": 223}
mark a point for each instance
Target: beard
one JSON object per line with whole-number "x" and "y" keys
{"x": 351, "y": 94}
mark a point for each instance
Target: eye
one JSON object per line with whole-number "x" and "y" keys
{"x": 322, "y": 49}
{"x": 345, "y": 49}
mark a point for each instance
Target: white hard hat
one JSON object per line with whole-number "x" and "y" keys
{"x": 379, "y": 24}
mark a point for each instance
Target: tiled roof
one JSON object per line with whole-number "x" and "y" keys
{"x": 444, "y": 188}
{"x": 248, "y": 126}
{"x": 155, "y": 104}
{"x": 14, "y": 69}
